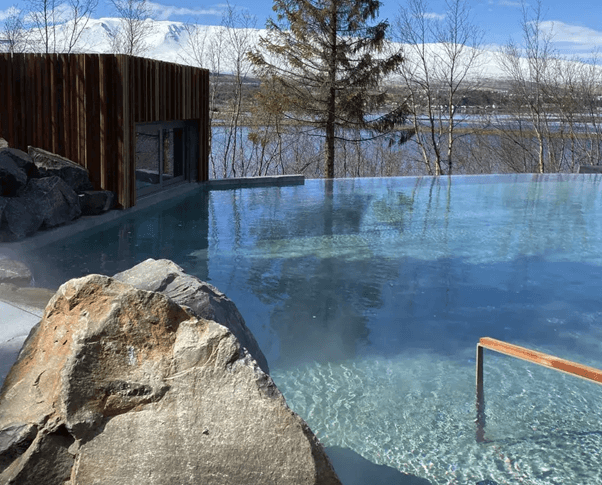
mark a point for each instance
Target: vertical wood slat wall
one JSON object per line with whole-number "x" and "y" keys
{"x": 85, "y": 106}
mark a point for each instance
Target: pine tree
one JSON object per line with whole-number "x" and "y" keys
{"x": 329, "y": 59}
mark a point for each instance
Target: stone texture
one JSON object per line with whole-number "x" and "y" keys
{"x": 22, "y": 159}
{"x": 14, "y": 272}
{"x": 119, "y": 385}
{"x": 3, "y": 203}
{"x": 12, "y": 178}
{"x": 204, "y": 300}
{"x": 20, "y": 218}
{"x": 57, "y": 203}
{"x": 3, "y": 143}
{"x": 49, "y": 164}
{"x": 96, "y": 202}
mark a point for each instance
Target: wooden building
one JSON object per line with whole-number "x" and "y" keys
{"x": 136, "y": 124}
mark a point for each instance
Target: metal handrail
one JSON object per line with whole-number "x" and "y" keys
{"x": 545, "y": 360}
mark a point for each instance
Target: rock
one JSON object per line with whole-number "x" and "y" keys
{"x": 204, "y": 300}
{"x": 12, "y": 178}
{"x": 3, "y": 202}
{"x": 57, "y": 203}
{"x": 96, "y": 202}
{"x": 120, "y": 385}
{"x": 49, "y": 164}
{"x": 23, "y": 161}
{"x": 44, "y": 202}
{"x": 3, "y": 143}
{"x": 21, "y": 218}
{"x": 14, "y": 272}
{"x": 590, "y": 169}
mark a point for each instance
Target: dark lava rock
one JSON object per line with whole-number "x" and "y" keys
{"x": 3, "y": 202}
{"x": 56, "y": 202}
{"x": 96, "y": 202}
{"x": 12, "y": 177}
{"x": 23, "y": 161}
{"x": 49, "y": 164}
{"x": 20, "y": 218}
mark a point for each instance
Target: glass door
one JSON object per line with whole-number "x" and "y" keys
{"x": 160, "y": 156}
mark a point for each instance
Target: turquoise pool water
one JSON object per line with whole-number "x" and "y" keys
{"x": 368, "y": 297}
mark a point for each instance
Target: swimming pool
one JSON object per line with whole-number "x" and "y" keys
{"x": 368, "y": 297}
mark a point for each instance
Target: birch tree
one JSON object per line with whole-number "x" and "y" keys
{"x": 223, "y": 50}
{"x": 134, "y": 27}
{"x": 57, "y": 25}
{"x": 13, "y": 32}
{"x": 441, "y": 58}
{"x": 529, "y": 68}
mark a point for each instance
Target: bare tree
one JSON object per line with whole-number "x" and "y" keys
{"x": 13, "y": 31}
{"x": 530, "y": 70}
{"x": 57, "y": 25}
{"x": 203, "y": 49}
{"x": 441, "y": 57}
{"x": 239, "y": 40}
{"x": 223, "y": 50}
{"x": 134, "y": 27}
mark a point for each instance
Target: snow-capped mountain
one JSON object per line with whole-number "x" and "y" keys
{"x": 206, "y": 45}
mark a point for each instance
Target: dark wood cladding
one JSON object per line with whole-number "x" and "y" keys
{"x": 85, "y": 107}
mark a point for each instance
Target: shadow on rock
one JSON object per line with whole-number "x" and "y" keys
{"x": 353, "y": 469}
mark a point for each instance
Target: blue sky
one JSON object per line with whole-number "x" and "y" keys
{"x": 577, "y": 24}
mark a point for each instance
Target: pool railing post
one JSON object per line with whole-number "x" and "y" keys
{"x": 480, "y": 397}
{"x": 545, "y": 360}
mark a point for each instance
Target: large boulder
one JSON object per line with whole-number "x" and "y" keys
{"x": 20, "y": 218}
{"x": 49, "y": 164}
{"x": 57, "y": 203}
{"x": 120, "y": 385}
{"x": 95, "y": 202}
{"x": 12, "y": 177}
{"x": 22, "y": 160}
{"x": 204, "y": 300}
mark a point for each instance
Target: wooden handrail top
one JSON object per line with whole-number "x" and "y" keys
{"x": 545, "y": 360}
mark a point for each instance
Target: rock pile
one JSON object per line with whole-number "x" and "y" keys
{"x": 40, "y": 190}
{"x": 122, "y": 385}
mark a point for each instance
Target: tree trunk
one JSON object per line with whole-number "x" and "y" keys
{"x": 332, "y": 94}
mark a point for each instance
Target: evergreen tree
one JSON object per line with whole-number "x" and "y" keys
{"x": 328, "y": 56}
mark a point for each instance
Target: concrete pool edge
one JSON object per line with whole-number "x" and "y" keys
{"x": 84, "y": 223}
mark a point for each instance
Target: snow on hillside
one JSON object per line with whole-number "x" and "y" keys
{"x": 169, "y": 41}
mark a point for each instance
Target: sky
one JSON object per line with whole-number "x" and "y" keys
{"x": 575, "y": 24}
